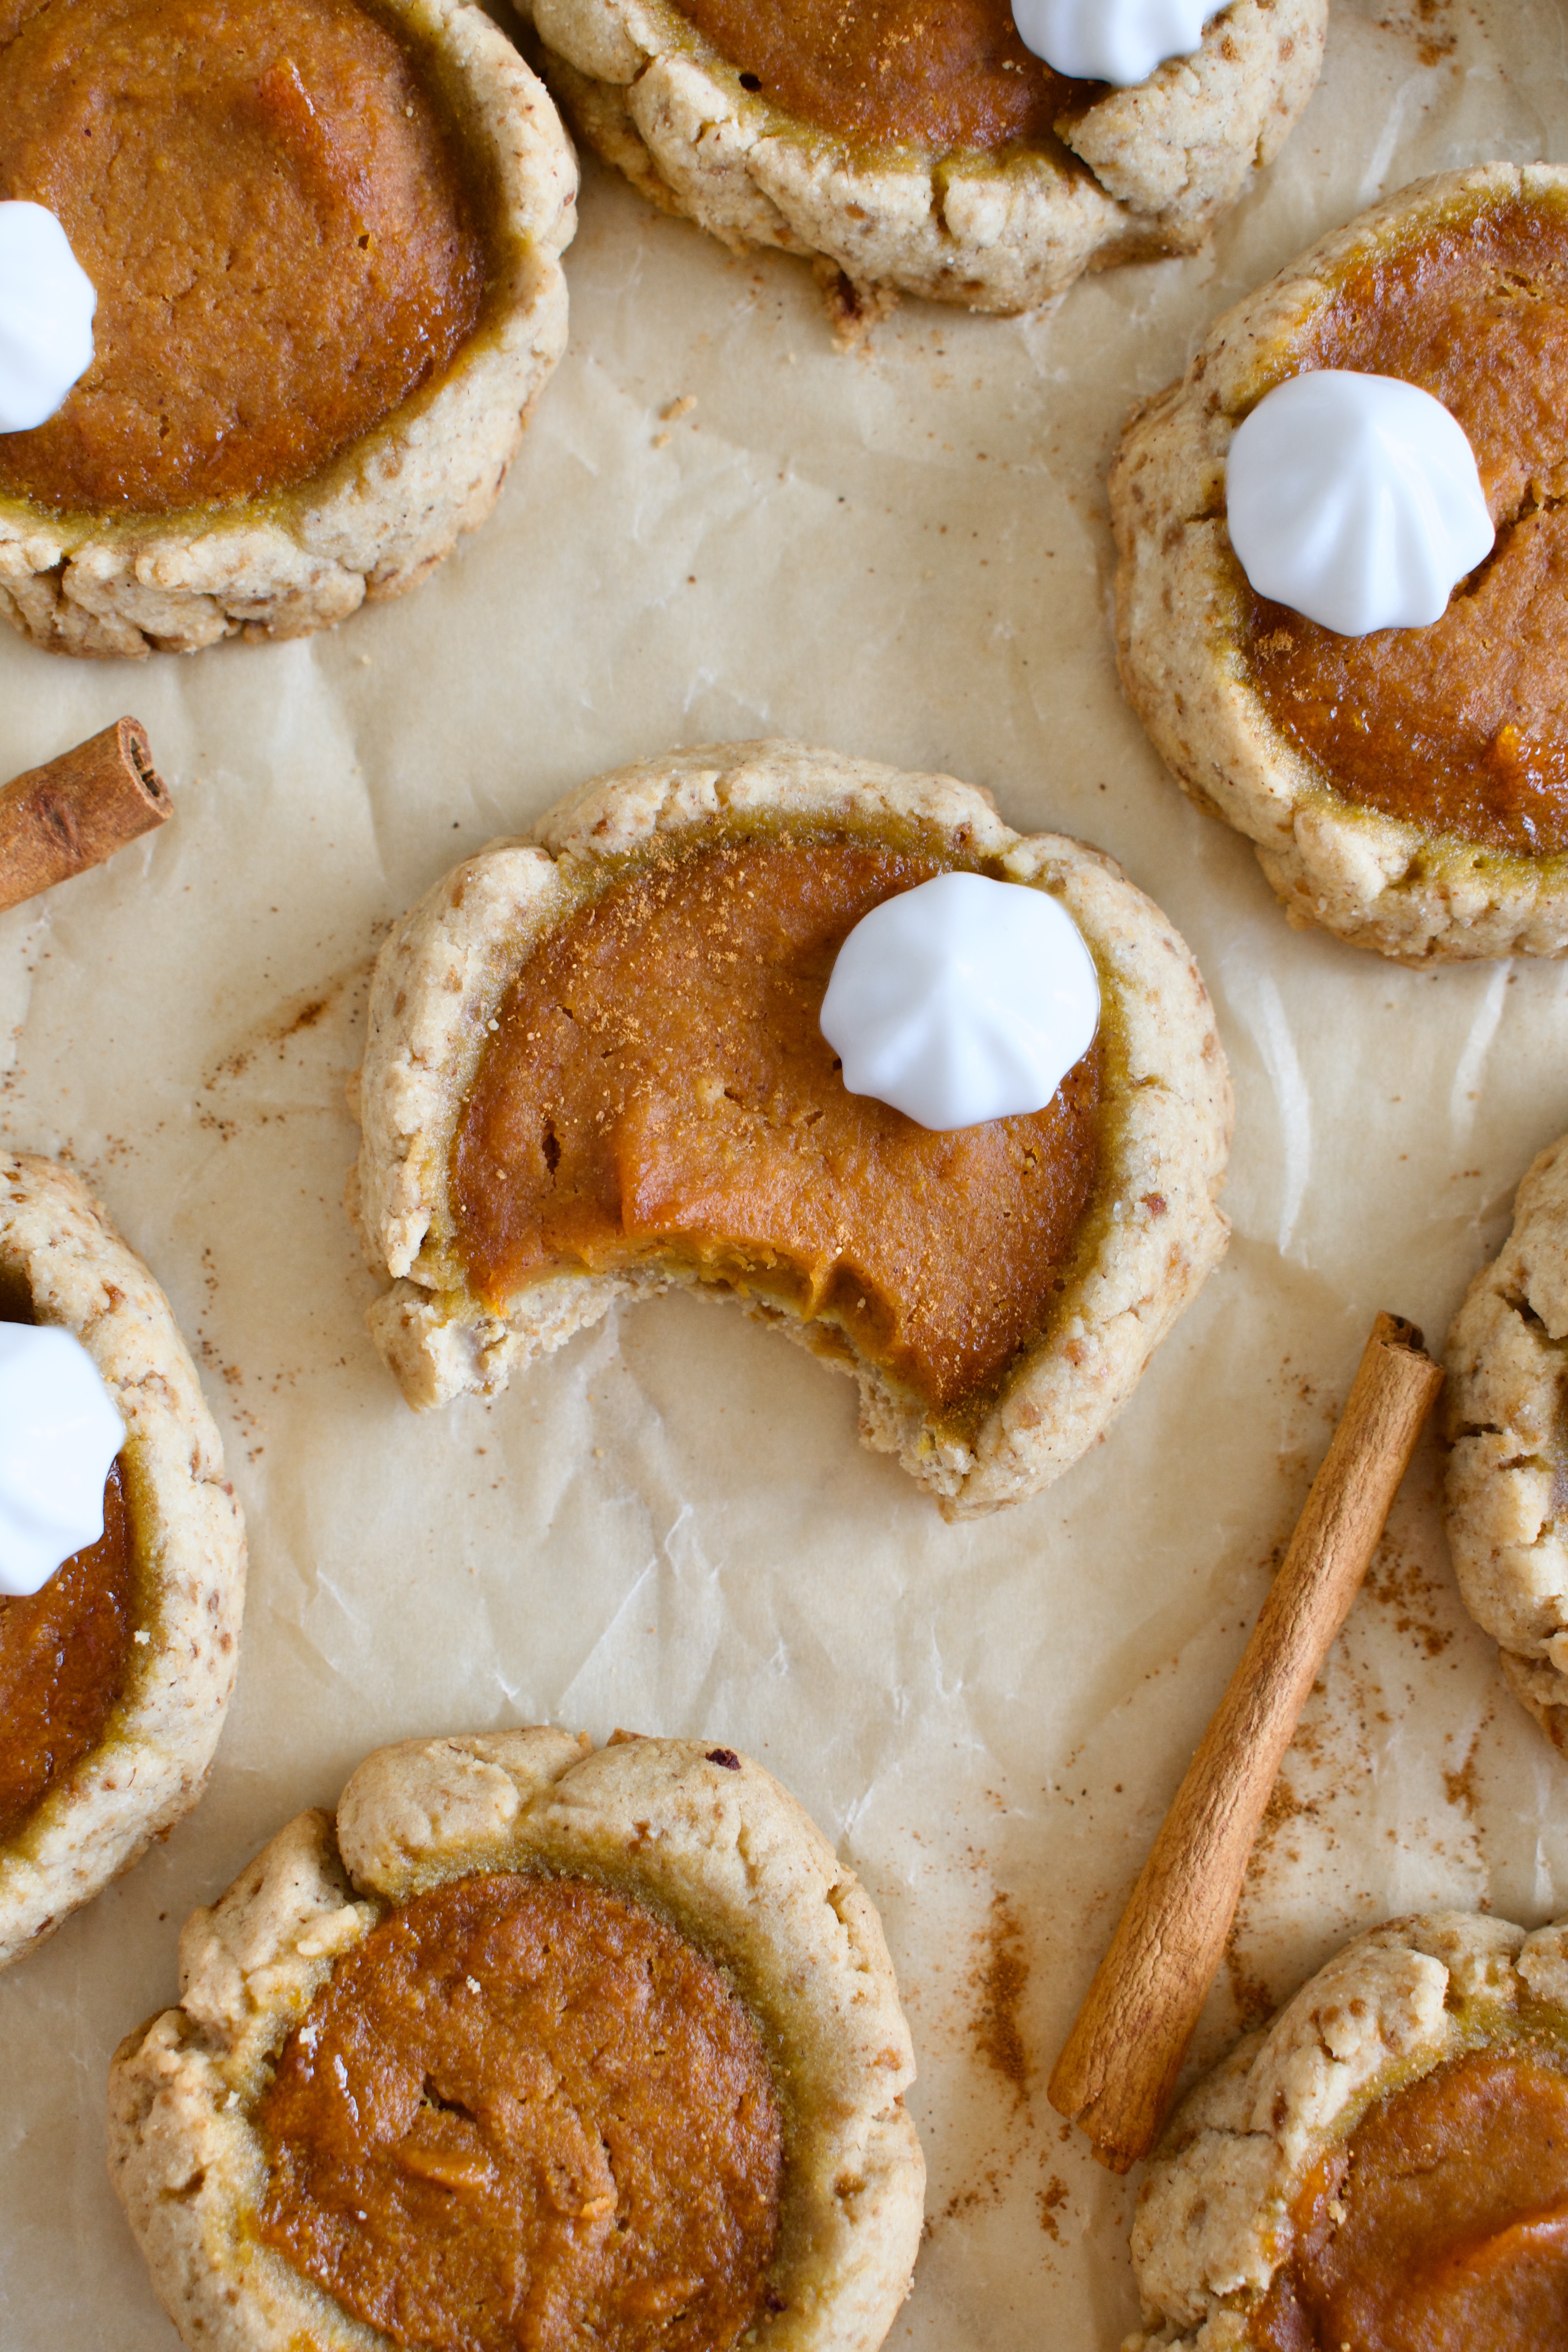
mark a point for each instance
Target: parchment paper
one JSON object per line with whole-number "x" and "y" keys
{"x": 671, "y": 1525}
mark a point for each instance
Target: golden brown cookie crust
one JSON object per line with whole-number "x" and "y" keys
{"x": 381, "y": 517}
{"x": 1505, "y": 1411}
{"x": 1213, "y": 2225}
{"x": 447, "y": 964}
{"x": 1141, "y": 171}
{"x": 152, "y": 1764}
{"x": 704, "y": 1836}
{"x": 1374, "y": 880}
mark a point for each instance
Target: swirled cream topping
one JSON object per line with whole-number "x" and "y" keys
{"x": 1355, "y": 500}
{"x": 46, "y": 305}
{"x": 961, "y": 1001}
{"x": 59, "y": 1434}
{"x": 1119, "y": 41}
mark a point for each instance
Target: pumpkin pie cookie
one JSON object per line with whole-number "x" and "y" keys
{"x": 1506, "y": 1412}
{"x": 325, "y": 238}
{"x": 594, "y": 1069}
{"x": 1385, "y": 2166}
{"x": 924, "y": 150}
{"x": 1407, "y": 788}
{"x": 531, "y": 2044}
{"x": 115, "y": 1677}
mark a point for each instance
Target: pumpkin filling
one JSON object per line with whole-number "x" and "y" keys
{"x": 658, "y": 1092}
{"x": 946, "y": 75}
{"x": 268, "y": 199}
{"x": 1441, "y": 2224}
{"x": 1462, "y": 728}
{"x": 524, "y": 2112}
{"x": 64, "y": 1651}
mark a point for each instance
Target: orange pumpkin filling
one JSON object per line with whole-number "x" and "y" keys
{"x": 1441, "y": 2224}
{"x": 64, "y": 1651}
{"x": 941, "y": 74}
{"x": 658, "y": 1092}
{"x": 1462, "y": 728}
{"x": 269, "y": 202}
{"x": 524, "y": 2112}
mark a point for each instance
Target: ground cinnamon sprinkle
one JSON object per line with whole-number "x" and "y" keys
{"x": 1004, "y": 1974}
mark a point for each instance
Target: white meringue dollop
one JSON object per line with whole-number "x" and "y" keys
{"x": 961, "y": 1001}
{"x": 46, "y": 306}
{"x": 1120, "y": 41}
{"x": 60, "y": 1432}
{"x": 1355, "y": 500}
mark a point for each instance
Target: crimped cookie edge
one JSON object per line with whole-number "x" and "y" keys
{"x": 388, "y": 508}
{"x": 678, "y": 1821}
{"x": 96, "y": 1822}
{"x": 1371, "y": 881}
{"x": 444, "y": 969}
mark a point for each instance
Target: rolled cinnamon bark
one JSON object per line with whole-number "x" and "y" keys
{"x": 78, "y": 809}
{"x": 1118, "y": 2072}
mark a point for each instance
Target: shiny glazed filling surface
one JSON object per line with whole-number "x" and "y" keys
{"x": 942, "y": 74}
{"x": 1462, "y": 728}
{"x": 1441, "y": 2224}
{"x": 658, "y": 1091}
{"x": 270, "y": 203}
{"x": 64, "y": 1651}
{"x": 525, "y": 2112}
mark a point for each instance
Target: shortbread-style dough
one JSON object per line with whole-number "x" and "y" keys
{"x": 186, "y": 542}
{"x": 706, "y": 1840}
{"x": 152, "y": 1761}
{"x": 1505, "y": 1497}
{"x": 1128, "y": 173}
{"x": 1215, "y": 2232}
{"x": 1381, "y": 878}
{"x": 1149, "y": 1234}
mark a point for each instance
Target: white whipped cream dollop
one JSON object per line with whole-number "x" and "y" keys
{"x": 59, "y": 1434}
{"x": 47, "y": 303}
{"x": 961, "y": 1001}
{"x": 1119, "y": 41}
{"x": 1355, "y": 500}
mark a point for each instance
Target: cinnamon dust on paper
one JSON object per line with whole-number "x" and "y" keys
{"x": 1000, "y": 1976}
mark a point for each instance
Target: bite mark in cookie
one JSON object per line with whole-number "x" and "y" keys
{"x": 996, "y": 1291}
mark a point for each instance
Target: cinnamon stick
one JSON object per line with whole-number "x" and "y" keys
{"x": 1118, "y": 2072}
{"x": 78, "y": 809}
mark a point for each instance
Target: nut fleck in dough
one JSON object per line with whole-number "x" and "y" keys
{"x": 1152, "y": 1233}
{"x": 375, "y": 519}
{"x": 1130, "y": 174}
{"x": 1408, "y": 891}
{"x": 151, "y": 1762}
{"x": 1507, "y": 1416}
{"x": 1213, "y": 2222}
{"x": 705, "y": 1837}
